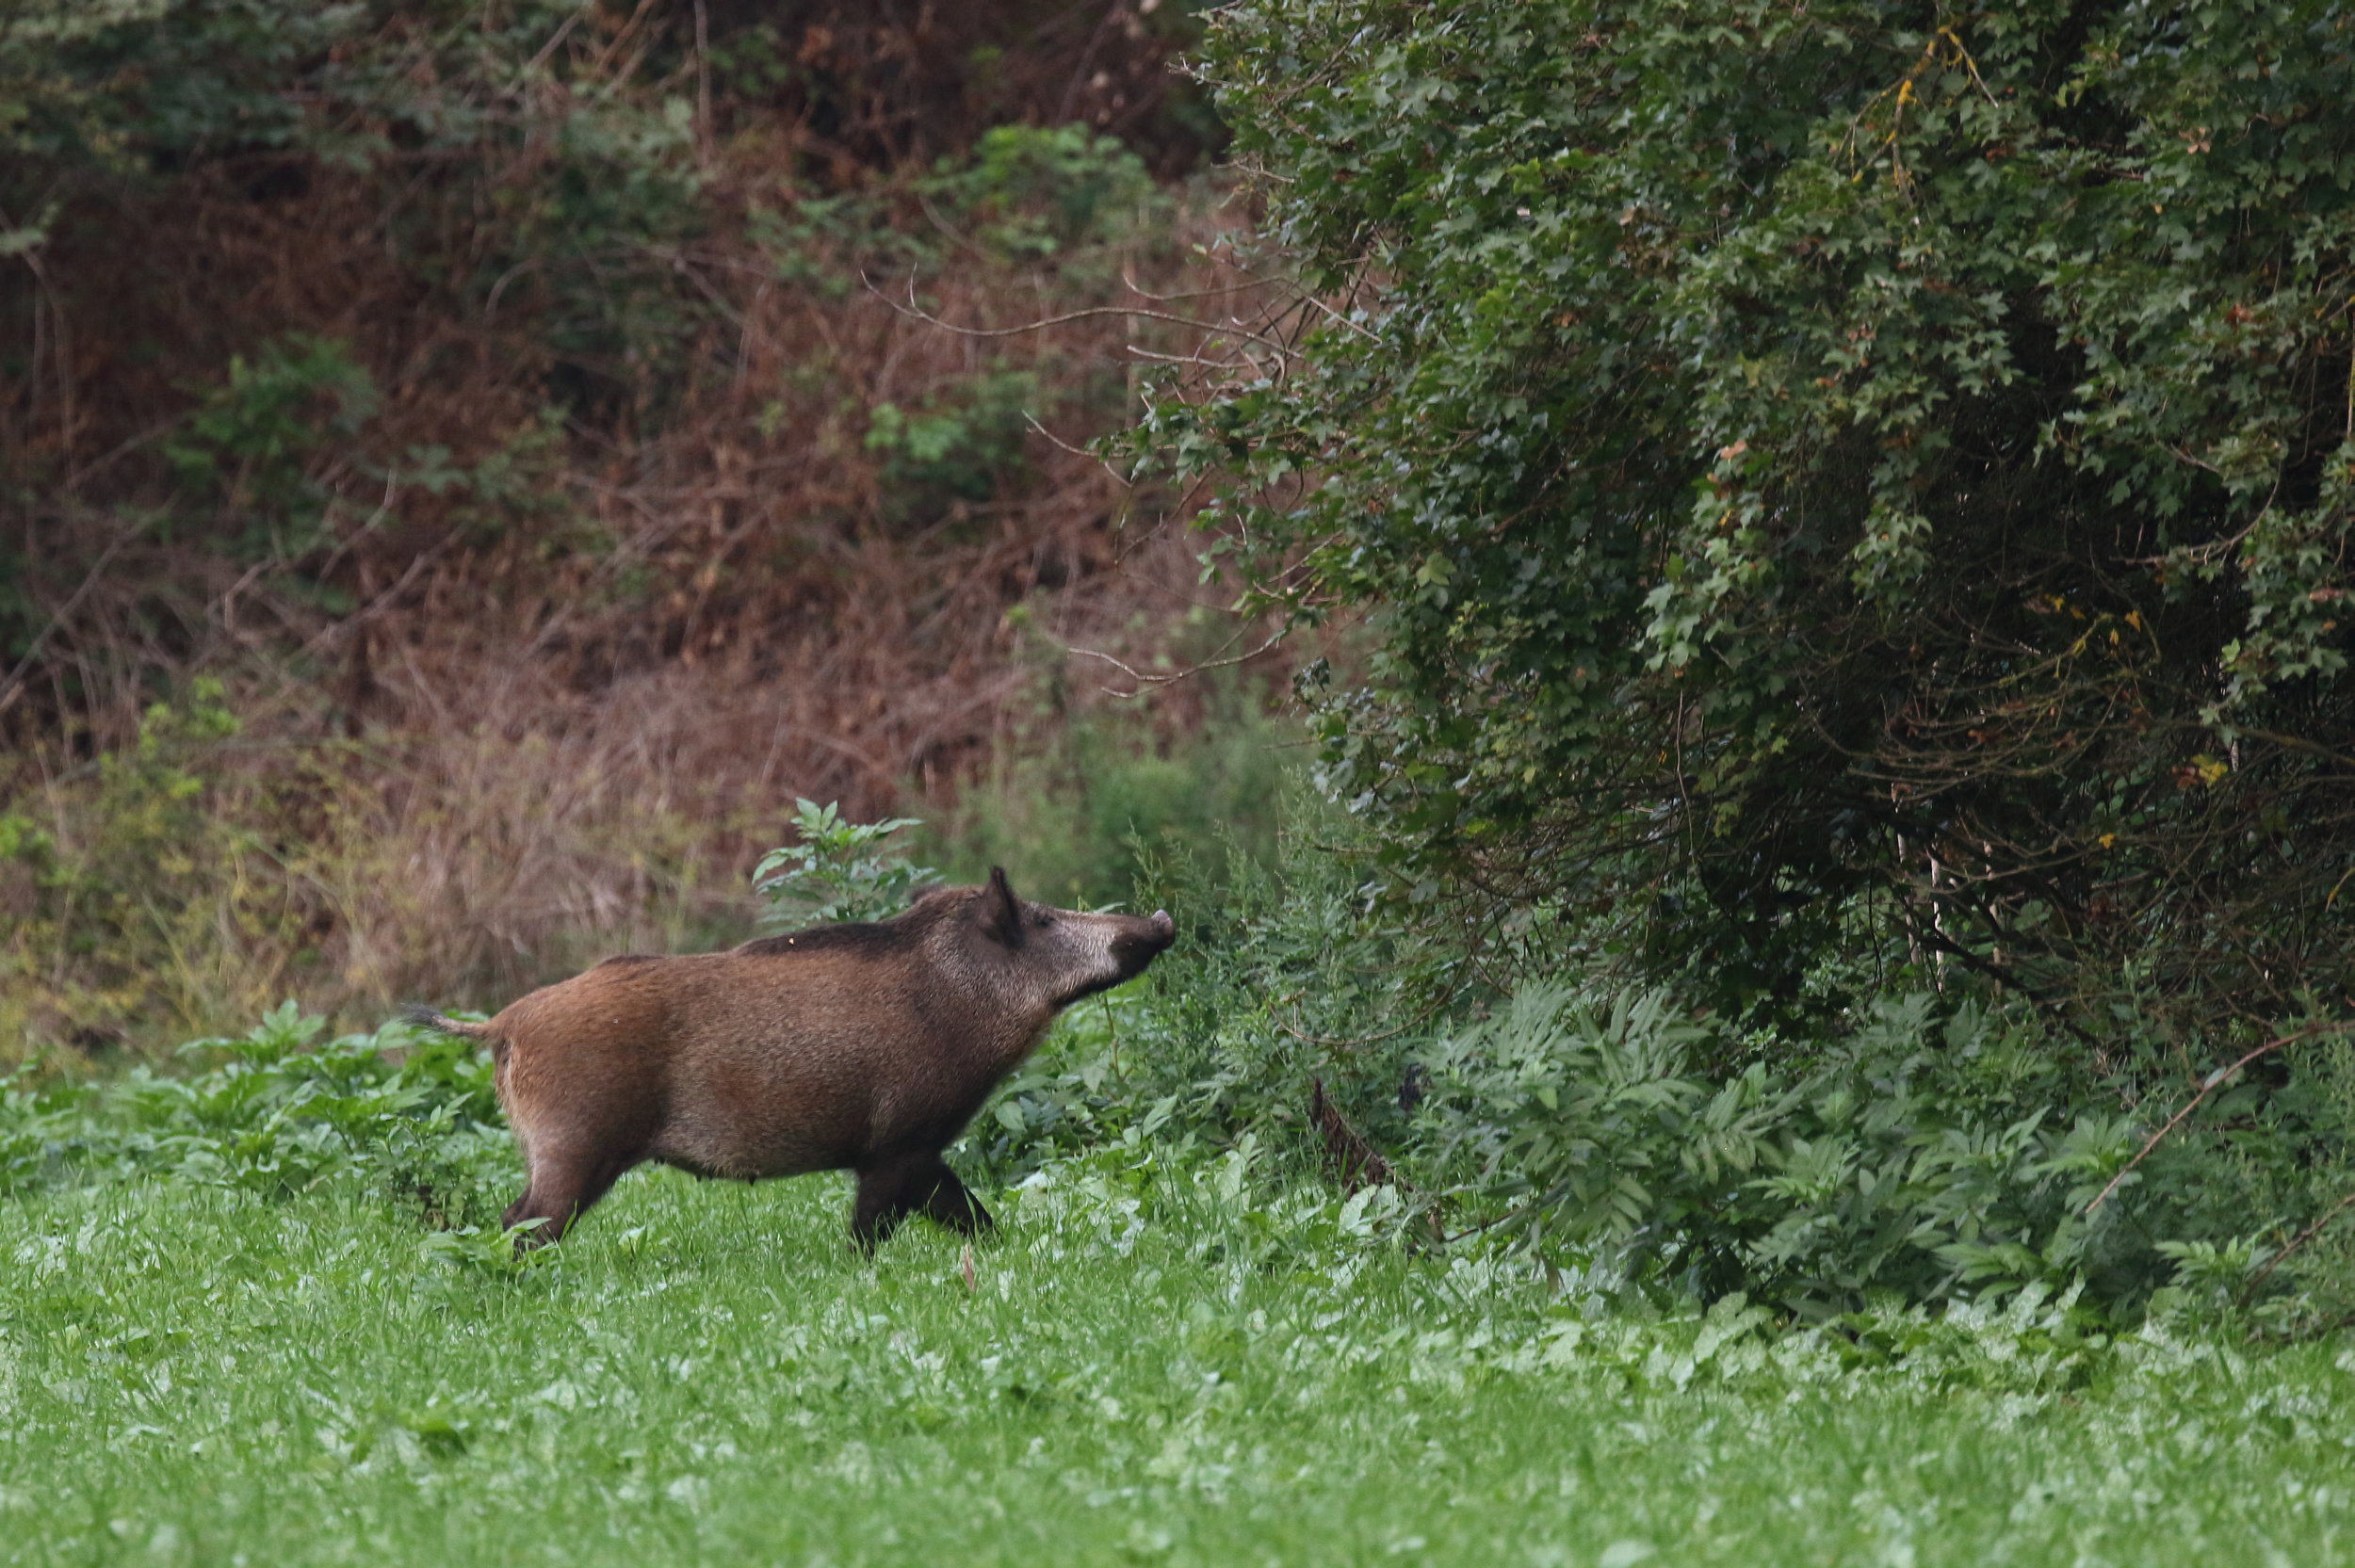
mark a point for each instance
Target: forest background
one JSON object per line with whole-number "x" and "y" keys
{"x": 1822, "y": 658}
{"x": 472, "y": 468}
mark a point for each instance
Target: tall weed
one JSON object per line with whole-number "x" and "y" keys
{"x": 839, "y": 871}
{"x": 133, "y": 894}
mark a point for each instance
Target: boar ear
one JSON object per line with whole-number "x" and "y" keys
{"x": 1001, "y": 912}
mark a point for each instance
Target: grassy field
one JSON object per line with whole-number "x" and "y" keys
{"x": 1146, "y": 1366}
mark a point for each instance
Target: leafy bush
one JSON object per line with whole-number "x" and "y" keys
{"x": 961, "y": 444}
{"x": 1045, "y": 190}
{"x": 246, "y": 446}
{"x": 1922, "y": 1159}
{"x": 1915, "y": 1149}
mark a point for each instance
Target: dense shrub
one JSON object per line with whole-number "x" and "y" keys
{"x": 1923, "y": 1156}
{"x": 1915, "y": 1147}
{"x": 1872, "y": 468}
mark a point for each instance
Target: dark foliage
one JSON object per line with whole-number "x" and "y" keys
{"x": 1867, "y": 472}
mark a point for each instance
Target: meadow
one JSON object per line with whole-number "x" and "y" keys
{"x": 1158, "y": 1358}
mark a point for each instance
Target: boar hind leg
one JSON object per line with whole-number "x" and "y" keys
{"x": 560, "y": 1191}
{"x": 891, "y": 1189}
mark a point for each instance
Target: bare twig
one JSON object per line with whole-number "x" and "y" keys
{"x": 14, "y": 686}
{"x": 1523, "y": 1212}
{"x": 2205, "y": 1089}
{"x": 2303, "y": 1236}
{"x": 1341, "y": 1044}
{"x": 1339, "y": 318}
{"x": 613, "y": 47}
{"x": 1087, "y": 58}
{"x": 1145, "y": 680}
{"x": 1061, "y": 446}
{"x": 1130, "y": 282}
{"x": 556, "y": 41}
{"x": 1092, "y": 312}
{"x": 703, "y": 83}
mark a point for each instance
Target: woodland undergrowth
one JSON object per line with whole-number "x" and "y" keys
{"x": 551, "y": 440}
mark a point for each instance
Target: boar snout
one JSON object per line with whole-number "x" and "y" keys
{"x": 1142, "y": 941}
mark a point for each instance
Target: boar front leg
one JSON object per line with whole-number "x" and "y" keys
{"x": 896, "y": 1185}
{"x": 560, "y": 1188}
{"x": 950, "y": 1203}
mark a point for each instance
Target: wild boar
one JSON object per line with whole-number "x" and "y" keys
{"x": 859, "y": 1046}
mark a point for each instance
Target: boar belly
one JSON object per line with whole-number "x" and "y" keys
{"x": 778, "y": 1110}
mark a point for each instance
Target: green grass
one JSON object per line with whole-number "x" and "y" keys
{"x": 1150, "y": 1367}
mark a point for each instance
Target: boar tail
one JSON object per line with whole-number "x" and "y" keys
{"x": 419, "y": 1016}
{"x": 422, "y": 1017}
